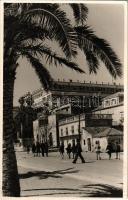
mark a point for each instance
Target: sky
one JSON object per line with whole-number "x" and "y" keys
{"x": 107, "y": 21}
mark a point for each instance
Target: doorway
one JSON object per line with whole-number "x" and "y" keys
{"x": 89, "y": 144}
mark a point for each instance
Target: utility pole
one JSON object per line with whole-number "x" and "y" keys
{"x": 79, "y": 127}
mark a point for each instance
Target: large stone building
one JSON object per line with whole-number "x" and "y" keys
{"x": 65, "y": 99}
{"x": 75, "y": 93}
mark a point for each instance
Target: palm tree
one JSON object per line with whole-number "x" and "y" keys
{"x": 26, "y": 28}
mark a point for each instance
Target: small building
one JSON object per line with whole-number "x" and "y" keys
{"x": 87, "y": 142}
{"x": 108, "y": 135}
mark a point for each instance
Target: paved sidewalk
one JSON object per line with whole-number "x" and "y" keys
{"x": 59, "y": 177}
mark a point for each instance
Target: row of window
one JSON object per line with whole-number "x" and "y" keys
{"x": 111, "y": 102}
{"x": 114, "y": 101}
{"x": 67, "y": 130}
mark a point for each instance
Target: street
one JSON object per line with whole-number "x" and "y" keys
{"x": 53, "y": 176}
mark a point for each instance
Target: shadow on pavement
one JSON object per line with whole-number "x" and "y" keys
{"x": 102, "y": 190}
{"x": 92, "y": 190}
{"x": 47, "y": 174}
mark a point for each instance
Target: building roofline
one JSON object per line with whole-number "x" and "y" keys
{"x": 117, "y": 94}
{"x": 75, "y": 83}
{"x": 101, "y": 108}
{"x": 108, "y": 132}
{"x": 86, "y": 83}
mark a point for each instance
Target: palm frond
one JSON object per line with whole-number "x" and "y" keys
{"x": 22, "y": 30}
{"x": 52, "y": 18}
{"x": 92, "y": 61}
{"x": 80, "y": 12}
{"x": 40, "y": 70}
{"x": 23, "y": 33}
{"x": 50, "y": 56}
{"x": 101, "y": 48}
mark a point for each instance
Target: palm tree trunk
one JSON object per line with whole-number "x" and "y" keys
{"x": 11, "y": 186}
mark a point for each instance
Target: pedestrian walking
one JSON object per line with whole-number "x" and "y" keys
{"x": 46, "y": 148}
{"x": 69, "y": 150}
{"x": 73, "y": 150}
{"x": 42, "y": 147}
{"x": 37, "y": 148}
{"x": 61, "y": 150}
{"x": 98, "y": 151}
{"x": 109, "y": 149}
{"x": 117, "y": 150}
{"x": 33, "y": 148}
{"x": 78, "y": 152}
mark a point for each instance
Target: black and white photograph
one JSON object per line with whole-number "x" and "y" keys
{"x": 63, "y": 99}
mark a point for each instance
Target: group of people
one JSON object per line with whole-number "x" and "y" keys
{"x": 74, "y": 149}
{"x": 109, "y": 149}
{"x": 70, "y": 149}
{"x": 39, "y": 148}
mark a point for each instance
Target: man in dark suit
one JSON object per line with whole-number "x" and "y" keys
{"x": 78, "y": 152}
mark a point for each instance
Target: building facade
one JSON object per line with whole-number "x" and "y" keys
{"x": 75, "y": 93}
{"x": 108, "y": 135}
{"x": 113, "y": 104}
{"x": 78, "y": 127}
{"x": 67, "y": 99}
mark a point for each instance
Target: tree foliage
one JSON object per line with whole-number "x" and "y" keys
{"x": 27, "y": 26}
